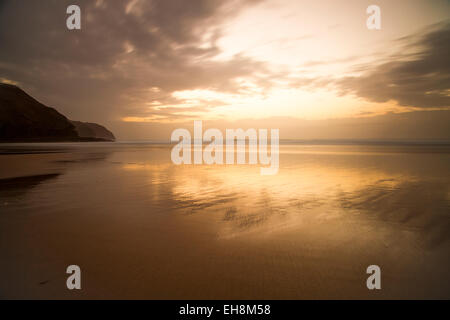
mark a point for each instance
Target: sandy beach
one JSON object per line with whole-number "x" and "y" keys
{"x": 141, "y": 227}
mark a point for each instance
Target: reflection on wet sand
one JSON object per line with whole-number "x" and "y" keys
{"x": 14, "y": 187}
{"x": 24, "y": 182}
{"x": 419, "y": 205}
{"x": 165, "y": 231}
{"x": 248, "y": 200}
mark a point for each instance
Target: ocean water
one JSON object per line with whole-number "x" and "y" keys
{"x": 141, "y": 227}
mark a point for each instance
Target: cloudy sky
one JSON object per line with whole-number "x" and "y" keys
{"x": 310, "y": 68}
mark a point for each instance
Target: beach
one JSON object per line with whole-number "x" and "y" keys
{"x": 141, "y": 227}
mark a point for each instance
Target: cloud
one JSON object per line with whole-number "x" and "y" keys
{"x": 420, "y": 78}
{"x": 132, "y": 57}
{"x": 124, "y": 49}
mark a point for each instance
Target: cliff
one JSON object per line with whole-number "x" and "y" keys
{"x": 24, "y": 119}
{"x": 93, "y": 131}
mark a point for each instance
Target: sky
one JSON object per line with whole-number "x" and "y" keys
{"x": 309, "y": 68}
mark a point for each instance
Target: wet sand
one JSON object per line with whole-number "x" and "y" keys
{"x": 140, "y": 227}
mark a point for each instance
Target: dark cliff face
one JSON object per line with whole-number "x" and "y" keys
{"x": 93, "y": 131}
{"x": 24, "y": 119}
